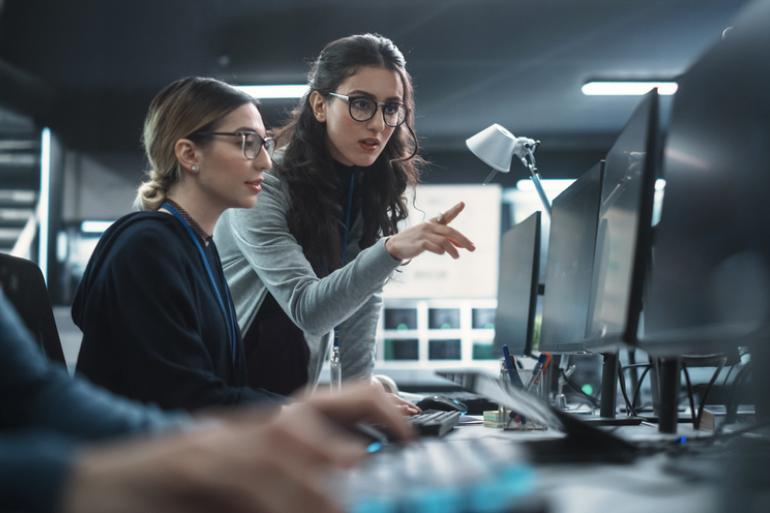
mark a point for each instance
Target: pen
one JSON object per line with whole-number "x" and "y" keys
{"x": 510, "y": 366}
{"x": 537, "y": 369}
{"x": 548, "y": 360}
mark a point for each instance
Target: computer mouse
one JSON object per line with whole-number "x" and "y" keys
{"x": 440, "y": 402}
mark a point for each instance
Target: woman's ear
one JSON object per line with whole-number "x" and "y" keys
{"x": 187, "y": 155}
{"x": 318, "y": 104}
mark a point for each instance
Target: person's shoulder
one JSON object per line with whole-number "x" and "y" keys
{"x": 274, "y": 180}
{"x": 153, "y": 235}
{"x": 148, "y": 227}
{"x": 274, "y": 190}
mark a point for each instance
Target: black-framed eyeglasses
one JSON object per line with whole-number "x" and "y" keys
{"x": 363, "y": 108}
{"x": 251, "y": 142}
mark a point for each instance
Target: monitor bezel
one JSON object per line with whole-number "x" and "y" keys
{"x": 535, "y": 218}
{"x": 628, "y": 336}
{"x": 576, "y": 346}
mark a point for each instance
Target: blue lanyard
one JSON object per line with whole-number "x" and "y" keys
{"x": 227, "y": 310}
{"x": 346, "y": 232}
{"x": 348, "y": 215}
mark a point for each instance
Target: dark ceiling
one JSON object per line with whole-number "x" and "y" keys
{"x": 519, "y": 63}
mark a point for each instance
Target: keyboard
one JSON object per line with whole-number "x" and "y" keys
{"x": 447, "y": 475}
{"x": 434, "y": 422}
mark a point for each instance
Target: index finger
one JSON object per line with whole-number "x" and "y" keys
{"x": 457, "y": 238}
{"x": 448, "y": 216}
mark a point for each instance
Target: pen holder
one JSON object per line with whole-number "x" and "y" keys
{"x": 537, "y": 388}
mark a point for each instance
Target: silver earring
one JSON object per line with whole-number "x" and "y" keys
{"x": 195, "y": 168}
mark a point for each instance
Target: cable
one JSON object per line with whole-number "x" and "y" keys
{"x": 638, "y": 388}
{"x": 574, "y": 386}
{"x": 713, "y": 379}
{"x": 622, "y": 382}
{"x": 689, "y": 394}
{"x": 729, "y": 372}
{"x": 632, "y": 365}
{"x": 622, "y": 378}
{"x": 631, "y": 405}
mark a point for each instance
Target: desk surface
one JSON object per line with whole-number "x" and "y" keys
{"x": 643, "y": 486}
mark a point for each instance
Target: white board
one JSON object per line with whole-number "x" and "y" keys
{"x": 473, "y": 275}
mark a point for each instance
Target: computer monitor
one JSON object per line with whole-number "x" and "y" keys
{"x": 710, "y": 280}
{"x": 624, "y": 230}
{"x": 710, "y": 286}
{"x": 569, "y": 265}
{"x": 517, "y": 285}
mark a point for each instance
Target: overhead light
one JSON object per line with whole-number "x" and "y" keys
{"x": 264, "y": 92}
{"x": 628, "y": 88}
{"x": 553, "y": 186}
{"x": 97, "y": 227}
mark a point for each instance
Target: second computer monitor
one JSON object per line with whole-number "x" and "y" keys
{"x": 569, "y": 266}
{"x": 517, "y": 286}
{"x": 711, "y": 260}
{"x": 623, "y": 233}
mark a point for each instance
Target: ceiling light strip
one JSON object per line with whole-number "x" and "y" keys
{"x": 264, "y": 92}
{"x": 628, "y": 88}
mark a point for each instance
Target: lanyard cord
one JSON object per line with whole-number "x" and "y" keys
{"x": 346, "y": 232}
{"x": 227, "y": 311}
{"x": 348, "y": 215}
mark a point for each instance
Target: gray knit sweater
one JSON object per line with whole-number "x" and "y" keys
{"x": 259, "y": 254}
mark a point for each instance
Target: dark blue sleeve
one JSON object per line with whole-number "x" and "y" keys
{"x": 34, "y": 468}
{"x": 35, "y": 394}
{"x": 144, "y": 326}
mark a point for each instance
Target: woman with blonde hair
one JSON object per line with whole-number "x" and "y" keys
{"x": 156, "y": 313}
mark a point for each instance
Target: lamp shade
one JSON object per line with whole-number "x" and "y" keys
{"x": 494, "y": 146}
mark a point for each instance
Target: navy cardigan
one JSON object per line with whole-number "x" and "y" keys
{"x": 152, "y": 328}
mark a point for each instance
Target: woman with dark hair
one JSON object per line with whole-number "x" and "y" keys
{"x": 315, "y": 252}
{"x": 157, "y": 317}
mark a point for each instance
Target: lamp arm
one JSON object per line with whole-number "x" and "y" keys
{"x": 529, "y": 163}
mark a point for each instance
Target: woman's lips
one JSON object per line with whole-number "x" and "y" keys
{"x": 369, "y": 145}
{"x": 255, "y": 185}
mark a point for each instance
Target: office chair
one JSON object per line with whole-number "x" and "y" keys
{"x": 24, "y": 286}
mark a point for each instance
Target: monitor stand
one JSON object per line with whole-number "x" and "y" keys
{"x": 609, "y": 394}
{"x": 607, "y": 408}
{"x": 668, "y": 378}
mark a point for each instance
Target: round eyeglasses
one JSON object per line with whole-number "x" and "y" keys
{"x": 251, "y": 142}
{"x": 363, "y": 108}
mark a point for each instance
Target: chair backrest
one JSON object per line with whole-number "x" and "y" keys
{"x": 24, "y": 286}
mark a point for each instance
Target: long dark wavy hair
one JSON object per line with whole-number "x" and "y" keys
{"x": 309, "y": 170}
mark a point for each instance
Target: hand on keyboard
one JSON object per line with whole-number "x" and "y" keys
{"x": 362, "y": 403}
{"x": 406, "y": 407}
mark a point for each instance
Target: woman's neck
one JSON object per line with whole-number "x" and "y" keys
{"x": 197, "y": 205}
{"x": 340, "y": 166}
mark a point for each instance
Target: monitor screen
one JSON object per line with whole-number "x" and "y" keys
{"x": 570, "y": 264}
{"x": 623, "y": 232}
{"x": 710, "y": 286}
{"x": 517, "y": 286}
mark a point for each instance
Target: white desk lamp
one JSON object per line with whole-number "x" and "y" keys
{"x": 496, "y": 146}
